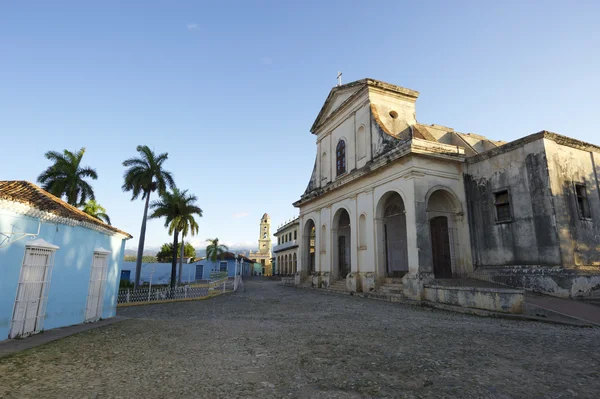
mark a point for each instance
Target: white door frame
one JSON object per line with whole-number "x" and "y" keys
{"x": 98, "y": 272}
{"x": 29, "y": 310}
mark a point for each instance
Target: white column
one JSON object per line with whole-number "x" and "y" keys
{"x": 354, "y": 235}
{"x": 411, "y": 227}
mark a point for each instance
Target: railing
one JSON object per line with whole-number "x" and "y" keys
{"x": 166, "y": 294}
{"x": 285, "y": 245}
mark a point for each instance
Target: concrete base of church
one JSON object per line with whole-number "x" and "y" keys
{"x": 367, "y": 281}
{"x": 504, "y": 300}
{"x": 557, "y": 281}
{"x": 412, "y": 285}
{"x": 353, "y": 282}
{"x": 316, "y": 280}
{"x": 325, "y": 280}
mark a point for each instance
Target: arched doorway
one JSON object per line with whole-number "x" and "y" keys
{"x": 309, "y": 237}
{"x": 394, "y": 235}
{"x": 392, "y": 246}
{"x": 442, "y": 210}
{"x": 342, "y": 259}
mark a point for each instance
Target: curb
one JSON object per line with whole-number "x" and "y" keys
{"x": 456, "y": 309}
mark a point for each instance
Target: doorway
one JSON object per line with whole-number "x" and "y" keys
{"x": 95, "y": 300}
{"x": 32, "y": 293}
{"x": 440, "y": 247}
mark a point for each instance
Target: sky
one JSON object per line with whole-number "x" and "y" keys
{"x": 230, "y": 89}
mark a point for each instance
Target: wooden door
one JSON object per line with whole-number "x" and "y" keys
{"x": 95, "y": 299}
{"x": 29, "y": 309}
{"x": 342, "y": 257}
{"x": 440, "y": 247}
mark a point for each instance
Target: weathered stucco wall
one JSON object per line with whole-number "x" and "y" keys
{"x": 494, "y": 299}
{"x": 579, "y": 236}
{"x": 530, "y": 238}
{"x": 70, "y": 278}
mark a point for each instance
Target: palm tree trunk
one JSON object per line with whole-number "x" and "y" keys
{"x": 181, "y": 260}
{"x": 174, "y": 261}
{"x": 140, "y": 252}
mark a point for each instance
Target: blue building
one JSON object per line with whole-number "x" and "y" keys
{"x": 58, "y": 265}
{"x": 159, "y": 273}
{"x": 227, "y": 264}
{"x": 200, "y": 270}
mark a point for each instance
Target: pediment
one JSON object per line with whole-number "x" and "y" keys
{"x": 337, "y": 97}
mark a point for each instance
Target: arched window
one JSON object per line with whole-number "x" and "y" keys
{"x": 340, "y": 156}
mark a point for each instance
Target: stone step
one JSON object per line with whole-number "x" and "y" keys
{"x": 393, "y": 280}
{"x": 392, "y": 288}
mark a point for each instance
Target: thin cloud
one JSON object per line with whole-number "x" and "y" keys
{"x": 239, "y": 215}
{"x": 266, "y": 60}
{"x": 192, "y": 26}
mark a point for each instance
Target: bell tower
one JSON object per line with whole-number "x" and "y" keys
{"x": 264, "y": 239}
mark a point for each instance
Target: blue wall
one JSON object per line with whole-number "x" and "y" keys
{"x": 162, "y": 271}
{"x": 70, "y": 279}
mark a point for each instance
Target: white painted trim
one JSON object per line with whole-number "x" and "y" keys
{"x": 41, "y": 243}
{"x": 102, "y": 251}
{"x": 30, "y": 211}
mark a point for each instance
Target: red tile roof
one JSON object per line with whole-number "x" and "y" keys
{"x": 28, "y": 193}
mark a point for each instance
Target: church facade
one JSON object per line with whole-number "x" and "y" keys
{"x": 263, "y": 255}
{"x": 391, "y": 200}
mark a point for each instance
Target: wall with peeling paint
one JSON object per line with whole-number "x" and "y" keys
{"x": 530, "y": 237}
{"x": 579, "y": 237}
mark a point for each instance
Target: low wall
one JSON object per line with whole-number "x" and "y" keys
{"x": 495, "y": 299}
{"x": 555, "y": 281}
{"x": 288, "y": 280}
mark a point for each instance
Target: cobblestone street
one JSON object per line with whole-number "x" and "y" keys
{"x": 280, "y": 342}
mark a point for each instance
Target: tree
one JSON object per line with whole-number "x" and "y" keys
{"x": 144, "y": 176}
{"x": 66, "y": 177}
{"x": 145, "y": 258}
{"x": 214, "y": 250}
{"x": 96, "y": 210}
{"x": 178, "y": 209}
{"x": 166, "y": 251}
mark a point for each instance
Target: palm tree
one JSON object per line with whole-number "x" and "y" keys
{"x": 66, "y": 177}
{"x": 178, "y": 208}
{"x": 144, "y": 176}
{"x": 96, "y": 210}
{"x": 214, "y": 250}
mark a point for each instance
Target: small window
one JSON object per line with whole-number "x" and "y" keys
{"x": 393, "y": 114}
{"x": 223, "y": 266}
{"x": 295, "y": 234}
{"x": 340, "y": 152}
{"x": 582, "y": 201}
{"x": 502, "y": 204}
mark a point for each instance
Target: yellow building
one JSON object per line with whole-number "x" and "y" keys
{"x": 263, "y": 255}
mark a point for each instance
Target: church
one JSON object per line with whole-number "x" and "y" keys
{"x": 263, "y": 255}
{"x": 392, "y": 201}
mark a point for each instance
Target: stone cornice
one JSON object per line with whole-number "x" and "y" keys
{"x": 413, "y": 146}
{"x": 557, "y": 138}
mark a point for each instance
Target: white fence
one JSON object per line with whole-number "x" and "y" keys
{"x": 160, "y": 294}
{"x": 219, "y": 285}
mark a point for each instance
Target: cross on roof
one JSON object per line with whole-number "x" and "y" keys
{"x": 339, "y": 78}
